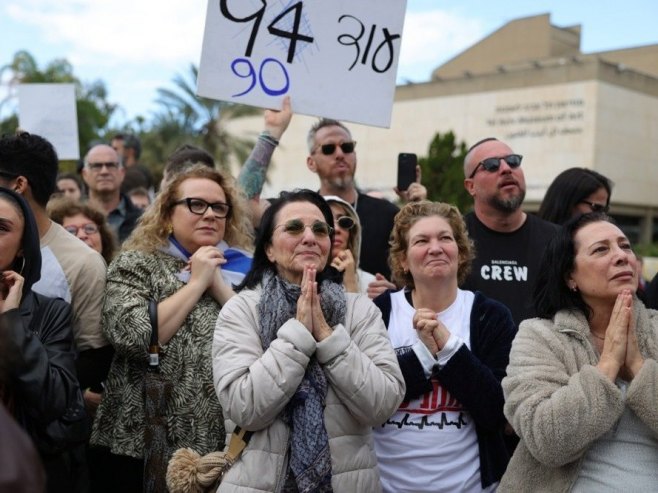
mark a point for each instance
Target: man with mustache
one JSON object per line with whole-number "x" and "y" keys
{"x": 508, "y": 242}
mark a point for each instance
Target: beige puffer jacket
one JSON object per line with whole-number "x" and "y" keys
{"x": 365, "y": 388}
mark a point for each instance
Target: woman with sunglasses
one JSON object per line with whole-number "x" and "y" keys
{"x": 186, "y": 252}
{"x": 453, "y": 347}
{"x": 302, "y": 364}
{"x": 346, "y": 246}
{"x": 86, "y": 222}
{"x": 575, "y": 191}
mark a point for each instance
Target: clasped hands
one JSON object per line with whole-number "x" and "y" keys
{"x": 621, "y": 353}
{"x": 431, "y": 330}
{"x": 309, "y": 310}
{"x": 204, "y": 266}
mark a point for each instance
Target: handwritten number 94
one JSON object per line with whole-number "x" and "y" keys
{"x": 250, "y": 73}
{"x": 294, "y": 36}
{"x": 386, "y": 44}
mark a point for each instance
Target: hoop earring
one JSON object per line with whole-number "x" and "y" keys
{"x": 22, "y": 267}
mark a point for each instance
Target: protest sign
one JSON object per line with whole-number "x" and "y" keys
{"x": 336, "y": 59}
{"x": 49, "y": 110}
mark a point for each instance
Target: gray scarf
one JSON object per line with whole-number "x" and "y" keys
{"x": 310, "y": 458}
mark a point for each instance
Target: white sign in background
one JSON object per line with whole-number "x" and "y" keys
{"x": 49, "y": 110}
{"x": 335, "y": 58}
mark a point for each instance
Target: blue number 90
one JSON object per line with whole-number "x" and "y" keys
{"x": 251, "y": 74}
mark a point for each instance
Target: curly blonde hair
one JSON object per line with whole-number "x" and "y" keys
{"x": 153, "y": 228}
{"x": 407, "y": 217}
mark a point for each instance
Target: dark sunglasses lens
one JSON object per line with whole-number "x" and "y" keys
{"x": 513, "y": 160}
{"x": 328, "y": 149}
{"x": 491, "y": 164}
{"x": 345, "y": 222}
{"x": 347, "y": 147}
{"x": 294, "y": 227}
{"x": 320, "y": 229}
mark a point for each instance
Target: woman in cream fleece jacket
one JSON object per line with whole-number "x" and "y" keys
{"x": 582, "y": 384}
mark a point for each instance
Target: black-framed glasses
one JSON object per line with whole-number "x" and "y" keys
{"x": 491, "y": 164}
{"x": 296, "y": 227}
{"x": 346, "y": 147}
{"x": 88, "y": 229}
{"x": 110, "y": 165}
{"x": 199, "y": 207}
{"x": 345, "y": 222}
{"x": 596, "y": 207}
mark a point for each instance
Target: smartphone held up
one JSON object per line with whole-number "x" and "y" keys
{"x": 406, "y": 170}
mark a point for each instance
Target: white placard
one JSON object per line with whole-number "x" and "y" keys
{"x": 335, "y": 58}
{"x": 49, "y": 110}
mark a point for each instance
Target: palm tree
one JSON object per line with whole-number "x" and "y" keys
{"x": 203, "y": 120}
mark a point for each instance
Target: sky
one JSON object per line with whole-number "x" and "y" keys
{"x": 138, "y": 46}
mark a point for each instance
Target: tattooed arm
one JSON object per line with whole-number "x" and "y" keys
{"x": 254, "y": 172}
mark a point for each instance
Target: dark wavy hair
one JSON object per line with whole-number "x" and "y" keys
{"x": 261, "y": 264}
{"x": 567, "y": 190}
{"x": 552, "y": 293}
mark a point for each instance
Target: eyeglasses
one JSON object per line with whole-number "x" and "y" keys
{"x": 596, "y": 207}
{"x": 491, "y": 164}
{"x": 345, "y": 222}
{"x": 296, "y": 227}
{"x": 200, "y": 206}
{"x": 329, "y": 149}
{"x": 88, "y": 229}
{"x": 111, "y": 166}
{"x": 11, "y": 176}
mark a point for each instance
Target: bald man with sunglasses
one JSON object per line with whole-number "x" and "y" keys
{"x": 509, "y": 243}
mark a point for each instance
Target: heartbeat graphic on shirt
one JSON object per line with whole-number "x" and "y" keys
{"x": 425, "y": 422}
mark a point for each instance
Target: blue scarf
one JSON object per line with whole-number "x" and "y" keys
{"x": 238, "y": 262}
{"x": 310, "y": 457}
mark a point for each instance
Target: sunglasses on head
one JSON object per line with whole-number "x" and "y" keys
{"x": 345, "y": 222}
{"x": 346, "y": 147}
{"x": 596, "y": 207}
{"x": 296, "y": 227}
{"x": 491, "y": 164}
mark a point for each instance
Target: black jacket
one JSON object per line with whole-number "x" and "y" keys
{"x": 41, "y": 378}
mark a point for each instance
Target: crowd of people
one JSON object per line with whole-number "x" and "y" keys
{"x": 363, "y": 346}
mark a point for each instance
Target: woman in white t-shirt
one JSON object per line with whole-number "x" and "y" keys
{"x": 453, "y": 347}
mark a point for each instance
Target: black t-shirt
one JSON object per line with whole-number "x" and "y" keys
{"x": 376, "y": 216}
{"x": 506, "y": 264}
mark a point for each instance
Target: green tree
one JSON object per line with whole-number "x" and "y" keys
{"x": 93, "y": 109}
{"x": 443, "y": 171}
{"x": 188, "y": 118}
